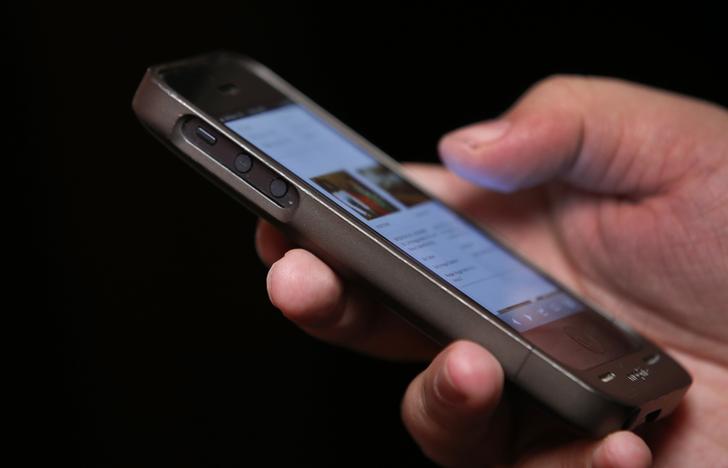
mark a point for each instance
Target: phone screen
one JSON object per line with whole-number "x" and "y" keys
{"x": 422, "y": 227}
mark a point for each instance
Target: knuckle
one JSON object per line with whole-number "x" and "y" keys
{"x": 563, "y": 87}
{"x": 432, "y": 436}
{"x": 559, "y": 81}
{"x": 432, "y": 441}
{"x": 441, "y": 436}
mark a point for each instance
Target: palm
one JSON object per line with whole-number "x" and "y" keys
{"x": 575, "y": 237}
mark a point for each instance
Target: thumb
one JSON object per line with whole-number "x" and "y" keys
{"x": 603, "y": 135}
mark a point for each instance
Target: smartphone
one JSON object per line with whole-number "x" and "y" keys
{"x": 336, "y": 194}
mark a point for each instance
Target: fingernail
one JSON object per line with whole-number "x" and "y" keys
{"x": 481, "y": 134}
{"x": 444, "y": 387}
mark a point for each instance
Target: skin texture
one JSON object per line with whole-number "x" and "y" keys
{"x": 618, "y": 190}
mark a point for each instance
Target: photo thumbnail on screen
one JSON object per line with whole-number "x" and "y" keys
{"x": 362, "y": 200}
{"x": 402, "y": 191}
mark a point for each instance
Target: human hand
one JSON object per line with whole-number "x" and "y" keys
{"x": 621, "y": 193}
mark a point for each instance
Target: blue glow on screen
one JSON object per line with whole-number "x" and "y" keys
{"x": 420, "y": 226}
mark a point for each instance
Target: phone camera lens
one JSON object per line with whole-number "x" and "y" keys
{"x": 243, "y": 163}
{"x": 278, "y": 187}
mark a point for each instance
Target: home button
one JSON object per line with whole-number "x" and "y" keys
{"x": 586, "y": 336}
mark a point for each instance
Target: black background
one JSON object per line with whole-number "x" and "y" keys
{"x": 162, "y": 347}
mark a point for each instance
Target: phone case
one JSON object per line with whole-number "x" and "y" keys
{"x": 421, "y": 298}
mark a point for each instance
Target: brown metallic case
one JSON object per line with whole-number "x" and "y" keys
{"x": 647, "y": 384}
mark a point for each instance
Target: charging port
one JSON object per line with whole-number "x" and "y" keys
{"x": 653, "y": 415}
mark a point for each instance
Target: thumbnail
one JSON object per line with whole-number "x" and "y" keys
{"x": 355, "y": 195}
{"x": 390, "y": 182}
